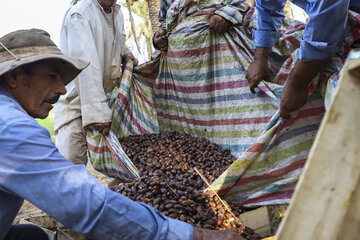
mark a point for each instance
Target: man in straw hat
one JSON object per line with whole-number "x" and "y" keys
{"x": 33, "y": 74}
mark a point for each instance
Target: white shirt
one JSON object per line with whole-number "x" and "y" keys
{"x": 92, "y": 35}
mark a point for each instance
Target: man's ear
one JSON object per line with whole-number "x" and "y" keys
{"x": 10, "y": 77}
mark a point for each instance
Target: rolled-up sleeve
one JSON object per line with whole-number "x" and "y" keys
{"x": 269, "y": 19}
{"x": 164, "y": 6}
{"x": 32, "y": 168}
{"x": 233, "y": 11}
{"x": 325, "y": 30}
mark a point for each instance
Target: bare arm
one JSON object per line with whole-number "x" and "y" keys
{"x": 295, "y": 91}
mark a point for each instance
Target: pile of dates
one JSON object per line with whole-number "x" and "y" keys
{"x": 169, "y": 182}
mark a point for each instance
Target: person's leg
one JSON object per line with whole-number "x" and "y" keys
{"x": 26, "y": 232}
{"x": 71, "y": 142}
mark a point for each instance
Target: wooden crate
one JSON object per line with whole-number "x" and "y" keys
{"x": 326, "y": 203}
{"x": 258, "y": 220}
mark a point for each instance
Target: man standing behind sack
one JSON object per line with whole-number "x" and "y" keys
{"x": 92, "y": 30}
{"x": 33, "y": 74}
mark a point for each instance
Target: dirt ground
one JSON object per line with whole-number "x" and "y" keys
{"x": 29, "y": 210}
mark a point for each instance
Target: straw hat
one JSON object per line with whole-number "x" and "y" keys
{"x": 27, "y": 46}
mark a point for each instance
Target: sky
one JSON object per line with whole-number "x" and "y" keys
{"x": 26, "y": 14}
{"x": 43, "y": 14}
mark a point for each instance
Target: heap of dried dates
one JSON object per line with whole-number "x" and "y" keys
{"x": 169, "y": 183}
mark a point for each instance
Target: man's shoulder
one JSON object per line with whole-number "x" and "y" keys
{"x": 11, "y": 113}
{"x": 117, "y": 7}
{"x": 82, "y": 7}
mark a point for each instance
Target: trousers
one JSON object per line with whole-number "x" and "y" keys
{"x": 26, "y": 232}
{"x": 71, "y": 141}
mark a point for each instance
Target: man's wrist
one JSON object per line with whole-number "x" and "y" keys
{"x": 261, "y": 54}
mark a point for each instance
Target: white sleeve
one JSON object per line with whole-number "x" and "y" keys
{"x": 81, "y": 44}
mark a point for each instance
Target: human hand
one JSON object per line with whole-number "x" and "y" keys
{"x": 292, "y": 99}
{"x": 102, "y": 128}
{"x": 206, "y": 234}
{"x": 160, "y": 39}
{"x": 259, "y": 68}
{"x": 219, "y": 24}
{"x": 128, "y": 57}
{"x": 257, "y": 71}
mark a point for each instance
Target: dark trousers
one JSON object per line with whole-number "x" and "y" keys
{"x": 25, "y": 232}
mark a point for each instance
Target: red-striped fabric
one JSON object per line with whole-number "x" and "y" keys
{"x": 201, "y": 89}
{"x": 131, "y": 103}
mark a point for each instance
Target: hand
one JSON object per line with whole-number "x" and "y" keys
{"x": 160, "y": 39}
{"x": 219, "y": 24}
{"x": 258, "y": 69}
{"x": 127, "y": 57}
{"x": 206, "y": 234}
{"x": 102, "y": 128}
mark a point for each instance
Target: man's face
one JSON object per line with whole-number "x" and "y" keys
{"x": 107, "y": 4}
{"x": 38, "y": 91}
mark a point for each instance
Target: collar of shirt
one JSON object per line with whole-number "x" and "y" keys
{"x": 113, "y": 9}
{"x": 5, "y": 95}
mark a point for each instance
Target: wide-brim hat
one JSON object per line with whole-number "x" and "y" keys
{"x": 26, "y": 46}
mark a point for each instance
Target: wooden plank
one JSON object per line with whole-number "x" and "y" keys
{"x": 269, "y": 238}
{"x": 257, "y": 220}
{"x": 326, "y": 203}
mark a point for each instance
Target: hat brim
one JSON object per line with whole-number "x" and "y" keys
{"x": 71, "y": 68}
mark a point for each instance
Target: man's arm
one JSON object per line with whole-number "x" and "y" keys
{"x": 32, "y": 168}
{"x": 324, "y": 31}
{"x": 233, "y": 12}
{"x": 270, "y": 15}
{"x": 81, "y": 44}
{"x": 322, "y": 36}
{"x": 295, "y": 92}
{"x": 159, "y": 38}
{"x": 164, "y": 6}
{"x": 269, "y": 20}
{"x": 229, "y": 15}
